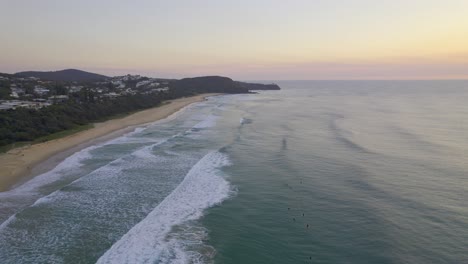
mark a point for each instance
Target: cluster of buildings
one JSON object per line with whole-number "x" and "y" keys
{"x": 139, "y": 84}
{"x": 34, "y": 93}
{"x": 13, "y": 104}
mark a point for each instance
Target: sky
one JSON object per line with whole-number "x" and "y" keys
{"x": 242, "y": 39}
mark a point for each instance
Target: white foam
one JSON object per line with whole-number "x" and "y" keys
{"x": 128, "y": 137}
{"x": 209, "y": 121}
{"x": 30, "y": 188}
{"x": 137, "y": 130}
{"x": 72, "y": 162}
{"x": 109, "y": 170}
{"x": 146, "y": 242}
{"x": 7, "y": 222}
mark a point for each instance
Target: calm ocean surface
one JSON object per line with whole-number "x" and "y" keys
{"x": 319, "y": 172}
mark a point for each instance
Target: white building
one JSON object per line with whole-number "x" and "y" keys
{"x": 14, "y": 95}
{"x": 141, "y": 83}
{"x": 17, "y": 90}
{"x": 163, "y": 89}
{"x": 41, "y": 90}
{"x": 74, "y": 88}
{"x": 13, "y": 104}
{"x": 110, "y": 95}
{"x": 58, "y": 98}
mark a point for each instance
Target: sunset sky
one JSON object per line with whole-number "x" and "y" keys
{"x": 250, "y": 40}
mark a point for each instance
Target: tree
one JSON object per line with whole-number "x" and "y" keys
{"x": 5, "y": 93}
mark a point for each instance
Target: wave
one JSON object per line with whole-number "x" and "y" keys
{"x": 346, "y": 136}
{"x": 135, "y": 136}
{"x": 203, "y": 187}
{"x": 209, "y": 121}
{"x": 22, "y": 196}
{"x": 72, "y": 162}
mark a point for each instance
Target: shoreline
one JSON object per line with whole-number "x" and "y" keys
{"x": 22, "y": 164}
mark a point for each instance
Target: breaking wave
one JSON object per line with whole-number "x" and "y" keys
{"x": 148, "y": 241}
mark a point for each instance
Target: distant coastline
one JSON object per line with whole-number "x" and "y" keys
{"x": 20, "y": 164}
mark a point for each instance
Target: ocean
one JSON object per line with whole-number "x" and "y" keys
{"x": 319, "y": 172}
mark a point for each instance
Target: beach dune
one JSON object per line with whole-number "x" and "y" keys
{"x": 20, "y": 164}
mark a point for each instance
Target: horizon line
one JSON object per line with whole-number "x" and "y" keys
{"x": 258, "y": 80}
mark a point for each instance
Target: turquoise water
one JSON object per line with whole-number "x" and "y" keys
{"x": 319, "y": 172}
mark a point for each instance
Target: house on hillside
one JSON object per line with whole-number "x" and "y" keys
{"x": 110, "y": 95}
{"x": 41, "y": 90}
{"x": 14, "y": 104}
{"x": 74, "y": 88}
{"x": 58, "y": 98}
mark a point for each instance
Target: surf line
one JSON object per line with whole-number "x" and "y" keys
{"x": 204, "y": 186}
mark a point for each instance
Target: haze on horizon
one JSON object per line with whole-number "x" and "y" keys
{"x": 256, "y": 39}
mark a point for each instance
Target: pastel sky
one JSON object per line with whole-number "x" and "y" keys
{"x": 242, "y": 39}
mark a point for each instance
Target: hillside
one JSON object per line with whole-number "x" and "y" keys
{"x": 208, "y": 84}
{"x": 70, "y": 75}
{"x": 258, "y": 86}
{"x": 5, "y": 75}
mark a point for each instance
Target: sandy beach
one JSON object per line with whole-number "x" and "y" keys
{"x": 20, "y": 164}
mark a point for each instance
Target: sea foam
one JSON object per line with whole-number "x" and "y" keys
{"x": 72, "y": 162}
{"x": 203, "y": 187}
{"x": 208, "y": 121}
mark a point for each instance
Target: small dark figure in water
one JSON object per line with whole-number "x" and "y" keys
{"x": 302, "y": 214}
{"x": 285, "y": 144}
{"x": 307, "y": 225}
{"x": 294, "y": 219}
{"x": 289, "y": 208}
